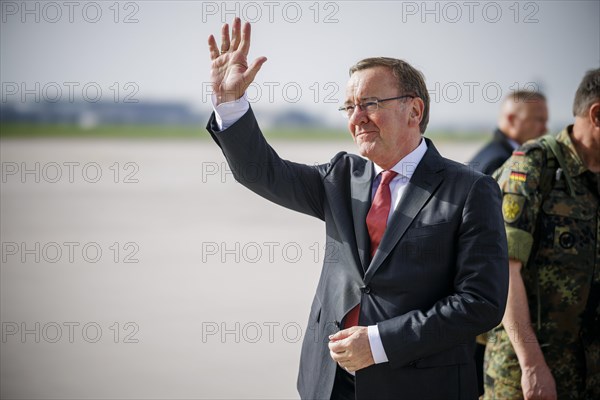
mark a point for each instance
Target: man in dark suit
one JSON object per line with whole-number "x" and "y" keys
{"x": 420, "y": 266}
{"x": 523, "y": 117}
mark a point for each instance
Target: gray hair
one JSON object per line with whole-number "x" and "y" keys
{"x": 587, "y": 93}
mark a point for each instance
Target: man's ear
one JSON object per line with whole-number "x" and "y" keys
{"x": 417, "y": 109}
{"x": 511, "y": 118}
{"x": 594, "y": 114}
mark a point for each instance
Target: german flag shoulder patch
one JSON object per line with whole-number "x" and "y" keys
{"x": 517, "y": 176}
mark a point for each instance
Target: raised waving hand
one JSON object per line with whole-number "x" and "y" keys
{"x": 230, "y": 74}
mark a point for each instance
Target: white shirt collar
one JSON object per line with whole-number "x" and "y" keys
{"x": 406, "y": 166}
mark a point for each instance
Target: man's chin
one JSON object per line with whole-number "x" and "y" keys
{"x": 367, "y": 150}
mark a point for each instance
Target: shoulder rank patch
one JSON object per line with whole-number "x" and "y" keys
{"x": 512, "y": 206}
{"x": 518, "y": 176}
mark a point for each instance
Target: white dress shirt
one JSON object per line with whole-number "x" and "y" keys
{"x": 226, "y": 114}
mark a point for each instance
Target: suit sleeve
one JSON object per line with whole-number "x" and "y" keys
{"x": 480, "y": 287}
{"x": 257, "y": 166}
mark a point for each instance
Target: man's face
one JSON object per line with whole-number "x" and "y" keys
{"x": 387, "y": 134}
{"x": 530, "y": 120}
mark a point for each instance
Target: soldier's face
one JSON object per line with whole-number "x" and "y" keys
{"x": 531, "y": 120}
{"x": 387, "y": 134}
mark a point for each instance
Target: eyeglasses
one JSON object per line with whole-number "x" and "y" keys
{"x": 369, "y": 105}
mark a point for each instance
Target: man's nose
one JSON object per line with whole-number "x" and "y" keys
{"x": 358, "y": 116}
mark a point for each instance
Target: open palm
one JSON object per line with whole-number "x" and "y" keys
{"x": 230, "y": 73}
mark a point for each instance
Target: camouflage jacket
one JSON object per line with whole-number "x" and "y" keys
{"x": 552, "y": 219}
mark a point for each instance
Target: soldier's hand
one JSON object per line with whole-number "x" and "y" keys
{"x": 537, "y": 383}
{"x": 230, "y": 74}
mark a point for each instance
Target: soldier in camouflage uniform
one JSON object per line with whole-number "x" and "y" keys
{"x": 548, "y": 345}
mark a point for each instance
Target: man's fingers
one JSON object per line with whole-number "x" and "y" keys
{"x": 225, "y": 38}
{"x": 348, "y": 366}
{"x": 336, "y": 347}
{"x": 337, "y": 357}
{"x": 342, "y": 334}
{"x": 245, "y": 43}
{"x": 253, "y": 69}
{"x": 212, "y": 47}
{"x": 235, "y": 34}
{"x": 341, "y": 358}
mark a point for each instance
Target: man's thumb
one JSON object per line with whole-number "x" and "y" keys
{"x": 254, "y": 68}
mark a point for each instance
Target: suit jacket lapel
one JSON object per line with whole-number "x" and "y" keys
{"x": 420, "y": 188}
{"x": 360, "y": 187}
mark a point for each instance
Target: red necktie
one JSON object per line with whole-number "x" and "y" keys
{"x": 376, "y": 224}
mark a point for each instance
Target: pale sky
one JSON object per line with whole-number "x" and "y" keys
{"x": 471, "y": 52}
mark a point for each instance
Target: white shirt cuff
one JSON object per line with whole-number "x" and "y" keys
{"x": 227, "y": 114}
{"x": 377, "y": 350}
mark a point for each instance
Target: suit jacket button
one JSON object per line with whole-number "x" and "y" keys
{"x": 365, "y": 289}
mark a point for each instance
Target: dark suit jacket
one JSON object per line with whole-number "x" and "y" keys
{"x": 492, "y": 155}
{"x": 438, "y": 278}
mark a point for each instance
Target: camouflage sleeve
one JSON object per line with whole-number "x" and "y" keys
{"x": 519, "y": 180}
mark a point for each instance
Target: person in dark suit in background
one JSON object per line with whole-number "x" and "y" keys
{"x": 421, "y": 262}
{"x": 523, "y": 116}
